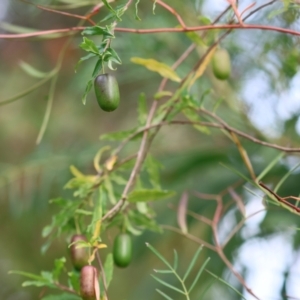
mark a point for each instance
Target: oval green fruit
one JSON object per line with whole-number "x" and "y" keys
{"x": 221, "y": 64}
{"x": 79, "y": 256}
{"x": 122, "y": 250}
{"x": 107, "y": 92}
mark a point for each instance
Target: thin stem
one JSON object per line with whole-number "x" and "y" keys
{"x": 190, "y": 237}
{"x": 158, "y": 30}
{"x": 172, "y": 11}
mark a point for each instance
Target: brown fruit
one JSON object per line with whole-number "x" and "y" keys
{"x": 89, "y": 286}
{"x": 79, "y": 256}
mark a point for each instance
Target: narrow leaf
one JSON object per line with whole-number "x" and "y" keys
{"x": 89, "y": 46}
{"x": 175, "y": 264}
{"x": 223, "y": 281}
{"x": 192, "y": 263}
{"x": 159, "y": 256}
{"x": 109, "y": 268}
{"x": 32, "y": 71}
{"x": 163, "y": 271}
{"x": 96, "y": 30}
{"x": 63, "y": 296}
{"x": 269, "y": 166}
{"x": 149, "y": 195}
{"x": 181, "y": 212}
{"x": 142, "y": 109}
{"x": 136, "y": 10}
{"x": 88, "y": 87}
{"x": 202, "y": 67}
{"x": 198, "y": 274}
{"x": 164, "y": 295}
{"x": 156, "y": 66}
{"x": 168, "y": 285}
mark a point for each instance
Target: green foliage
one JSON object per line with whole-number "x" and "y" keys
{"x": 172, "y": 270}
{"x": 130, "y": 186}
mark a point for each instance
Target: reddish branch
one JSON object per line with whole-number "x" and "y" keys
{"x": 157, "y": 30}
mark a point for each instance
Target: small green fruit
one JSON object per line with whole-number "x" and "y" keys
{"x": 107, "y": 92}
{"x": 221, "y": 64}
{"x": 79, "y": 256}
{"x": 122, "y": 250}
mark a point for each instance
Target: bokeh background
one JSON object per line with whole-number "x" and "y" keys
{"x": 261, "y": 97}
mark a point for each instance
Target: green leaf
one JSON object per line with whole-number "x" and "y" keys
{"x": 163, "y": 271}
{"x": 270, "y": 166}
{"x": 175, "y": 264}
{"x": 142, "y": 110}
{"x": 136, "y": 10}
{"x": 199, "y": 274}
{"x": 97, "y": 68}
{"x": 114, "y": 57}
{"x": 38, "y": 284}
{"x": 88, "y": 87}
{"x": 97, "y": 30}
{"x": 153, "y": 7}
{"x": 98, "y": 209}
{"x": 110, "y": 190}
{"x": 153, "y": 168}
{"x": 145, "y": 195}
{"x": 164, "y": 295}
{"x": 223, "y": 281}
{"x": 108, "y": 6}
{"x": 162, "y": 94}
{"x": 196, "y": 38}
{"x": 86, "y": 57}
{"x": 89, "y": 46}
{"x": 74, "y": 280}
{"x": 194, "y": 117}
{"x": 159, "y": 256}
{"x": 168, "y": 285}
{"x": 109, "y": 268}
{"x": 63, "y": 296}
{"x": 32, "y": 71}
{"x": 29, "y": 275}
{"x": 192, "y": 263}
{"x": 156, "y": 66}
{"x": 58, "y": 267}
{"x": 144, "y": 221}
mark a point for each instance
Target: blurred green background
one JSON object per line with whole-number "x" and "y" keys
{"x": 259, "y": 98}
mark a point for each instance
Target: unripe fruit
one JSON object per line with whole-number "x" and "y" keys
{"x": 221, "y": 64}
{"x": 122, "y": 250}
{"x": 89, "y": 286}
{"x": 79, "y": 256}
{"x": 107, "y": 92}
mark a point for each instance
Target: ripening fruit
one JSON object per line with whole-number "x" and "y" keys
{"x": 107, "y": 92}
{"x": 79, "y": 256}
{"x": 122, "y": 250}
{"x": 89, "y": 286}
{"x": 221, "y": 64}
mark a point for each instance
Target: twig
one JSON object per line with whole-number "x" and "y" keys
{"x": 65, "y": 288}
{"x": 190, "y": 237}
{"x": 102, "y": 274}
{"x": 157, "y": 30}
{"x": 172, "y": 11}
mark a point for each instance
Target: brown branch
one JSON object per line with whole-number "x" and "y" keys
{"x": 190, "y": 237}
{"x": 157, "y": 30}
{"x": 236, "y": 12}
{"x": 219, "y": 249}
{"x": 65, "y": 288}
{"x": 172, "y": 11}
{"x": 86, "y": 18}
